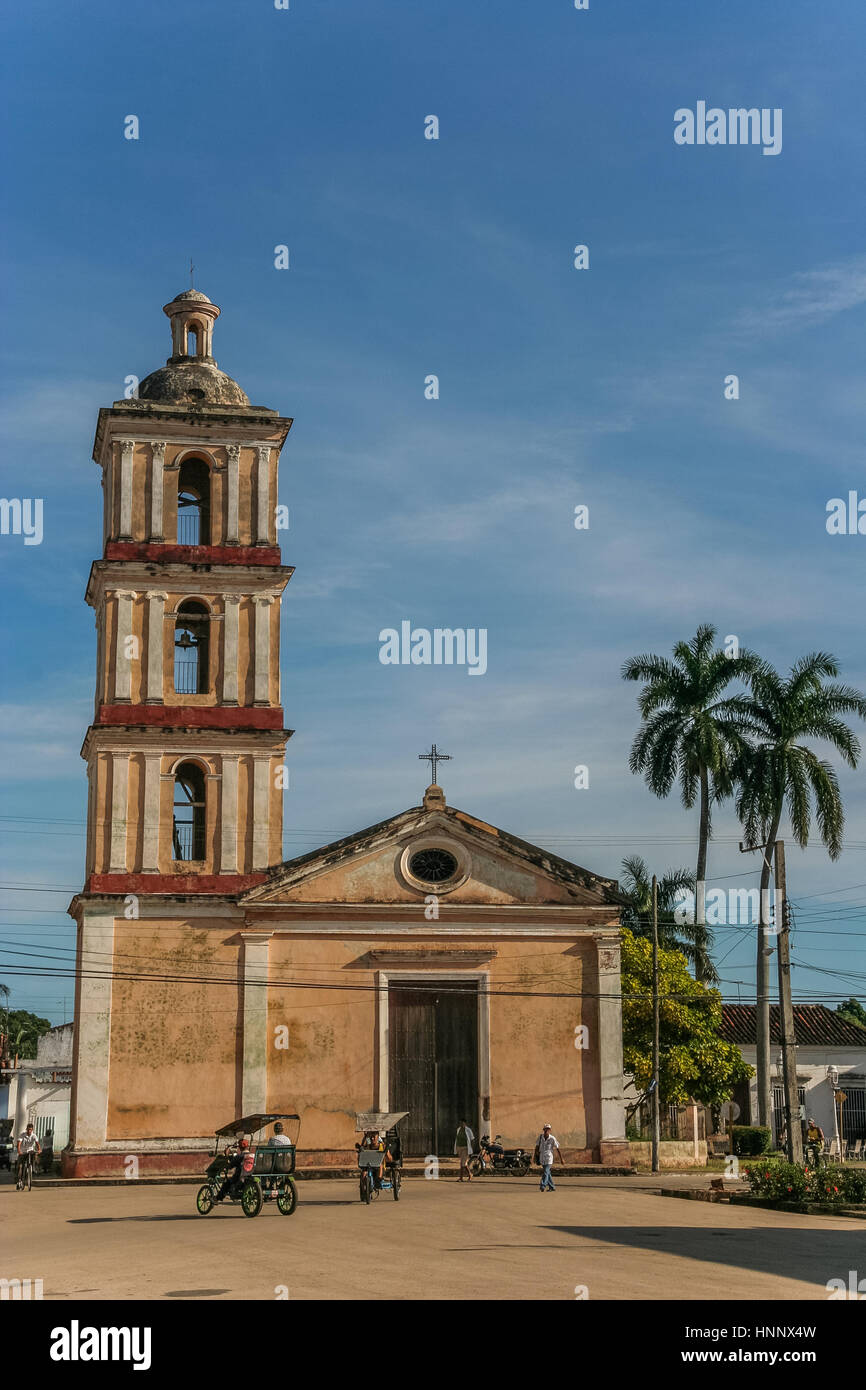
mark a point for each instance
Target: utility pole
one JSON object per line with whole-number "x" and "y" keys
{"x": 786, "y": 1013}
{"x": 655, "y": 1081}
{"x": 762, "y": 999}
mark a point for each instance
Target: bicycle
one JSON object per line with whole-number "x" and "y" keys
{"x": 25, "y": 1172}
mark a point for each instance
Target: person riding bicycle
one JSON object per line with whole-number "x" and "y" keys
{"x": 27, "y": 1144}
{"x": 238, "y": 1162}
{"x": 814, "y": 1140}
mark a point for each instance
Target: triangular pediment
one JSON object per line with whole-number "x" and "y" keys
{"x": 389, "y": 863}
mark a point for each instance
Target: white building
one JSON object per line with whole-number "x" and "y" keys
{"x": 824, "y": 1039}
{"x": 40, "y": 1090}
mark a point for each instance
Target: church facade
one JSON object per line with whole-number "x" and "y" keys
{"x": 432, "y": 963}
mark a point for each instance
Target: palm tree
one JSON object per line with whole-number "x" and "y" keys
{"x": 636, "y": 887}
{"x": 779, "y": 772}
{"x": 5, "y": 992}
{"x": 690, "y": 734}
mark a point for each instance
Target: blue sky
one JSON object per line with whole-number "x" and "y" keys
{"x": 557, "y": 387}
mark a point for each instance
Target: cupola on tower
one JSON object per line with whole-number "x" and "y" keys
{"x": 187, "y": 739}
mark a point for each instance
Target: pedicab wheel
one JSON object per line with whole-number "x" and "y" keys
{"x": 28, "y": 1175}
{"x": 204, "y": 1200}
{"x": 474, "y": 1165}
{"x": 365, "y": 1186}
{"x": 287, "y": 1200}
{"x": 395, "y": 1183}
{"x": 251, "y": 1199}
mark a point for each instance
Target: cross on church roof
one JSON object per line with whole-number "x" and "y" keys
{"x": 434, "y": 757}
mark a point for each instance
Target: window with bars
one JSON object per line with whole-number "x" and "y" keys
{"x": 193, "y": 503}
{"x": 188, "y": 827}
{"x": 854, "y": 1112}
{"x": 191, "y": 649}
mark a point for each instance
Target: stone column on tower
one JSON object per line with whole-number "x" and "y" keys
{"x": 157, "y": 487}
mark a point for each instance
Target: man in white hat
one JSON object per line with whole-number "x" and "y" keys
{"x": 547, "y": 1145}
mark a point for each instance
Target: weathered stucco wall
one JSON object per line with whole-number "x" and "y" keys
{"x": 328, "y": 1072}
{"x": 175, "y": 1045}
{"x": 537, "y": 1073}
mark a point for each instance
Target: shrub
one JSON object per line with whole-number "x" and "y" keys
{"x": 750, "y": 1139}
{"x": 854, "y": 1184}
{"x": 780, "y": 1181}
{"x": 824, "y": 1184}
{"x": 777, "y": 1180}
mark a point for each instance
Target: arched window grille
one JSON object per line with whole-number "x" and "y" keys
{"x": 188, "y": 827}
{"x": 193, "y": 503}
{"x": 191, "y": 649}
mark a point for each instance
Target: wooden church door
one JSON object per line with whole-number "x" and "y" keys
{"x": 433, "y": 1061}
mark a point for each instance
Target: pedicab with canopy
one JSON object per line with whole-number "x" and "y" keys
{"x": 375, "y": 1163}
{"x": 266, "y": 1173}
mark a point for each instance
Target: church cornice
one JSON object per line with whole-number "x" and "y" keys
{"x": 235, "y": 740}
{"x": 402, "y": 918}
{"x": 139, "y": 576}
{"x": 182, "y": 425}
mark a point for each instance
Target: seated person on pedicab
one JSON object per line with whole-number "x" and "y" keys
{"x": 239, "y": 1162}
{"x": 372, "y": 1140}
{"x": 278, "y": 1140}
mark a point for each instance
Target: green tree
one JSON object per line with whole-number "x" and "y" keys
{"x": 782, "y": 771}
{"x": 852, "y": 1011}
{"x": 636, "y": 887}
{"x": 695, "y": 1062}
{"x": 690, "y": 734}
{"x": 25, "y": 1030}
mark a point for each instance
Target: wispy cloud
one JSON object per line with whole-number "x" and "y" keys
{"x": 813, "y": 297}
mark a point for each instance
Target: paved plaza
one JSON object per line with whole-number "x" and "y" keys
{"x": 493, "y": 1239}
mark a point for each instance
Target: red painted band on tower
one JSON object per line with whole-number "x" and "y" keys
{"x": 193, "y": 554}
{"x": 191, "y": 716}
{"x": 143, "y": 885}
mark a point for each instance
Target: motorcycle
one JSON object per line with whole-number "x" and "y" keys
{"x": 493, "y": 1158}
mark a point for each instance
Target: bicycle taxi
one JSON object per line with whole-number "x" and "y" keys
{"x": 380, "y": 1153}
{"x": 266, "y": 1171}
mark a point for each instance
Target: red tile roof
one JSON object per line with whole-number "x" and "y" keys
{"x": 814, "y": 1026}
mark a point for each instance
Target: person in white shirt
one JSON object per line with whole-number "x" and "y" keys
{"x": 28, "y": 1143}
{"x": 279, "y": 1140}
{"x": 464, "y": 1144}
{"x": 546, "y": 1146}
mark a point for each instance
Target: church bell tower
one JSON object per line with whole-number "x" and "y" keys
{"x": 185, "y": 753}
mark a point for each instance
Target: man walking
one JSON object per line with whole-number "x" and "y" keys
{"x": 463, "y": 1144}
{"x": 545, "y": 1148}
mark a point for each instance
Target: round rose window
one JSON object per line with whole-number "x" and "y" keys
{"x": 433, "y": 865}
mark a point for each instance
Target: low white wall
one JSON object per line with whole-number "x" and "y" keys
{"x": 673, "y": 1153}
